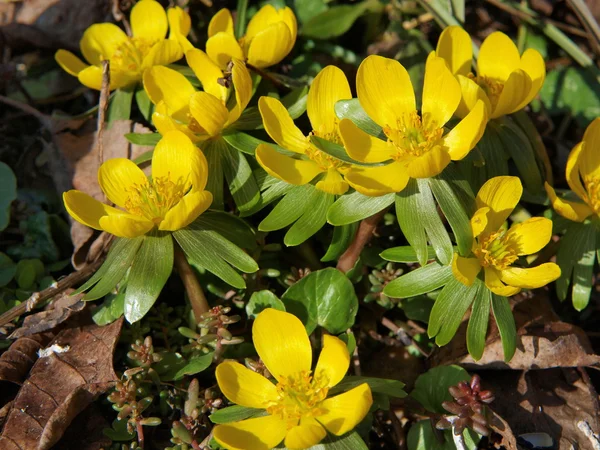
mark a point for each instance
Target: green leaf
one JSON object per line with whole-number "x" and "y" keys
{"x": 350, "y": 208}
{"x": 326, "y": 298}
{"x": 8, "y": 193}
{"x": 119, "y": 107}
{"x": 295, "y": 103}
{"x": 342, "y": 237}
{"x": 348, "y": 441}
{"x": 448, "y": 311}
{"x": 214, "y": 156}
{"x": 405, "y": 254}
{"x": 337, "y": 151}
{"x": 574, "y": 247}
{"x": 351, "y": 109}
{"x": 195, "y": 365}
{"x": 434, "y": 227}
{"x": 144, "y": 157}
{"x": 478, "y": 322}
{"x": 271, "y": 189}
{"x": 311, "y": 220}
{"x": 235, "y": 413}
{"x": 417, "y": 308}
{"x": 262, "y": 300}
{"x": 8, "y": 269}
{"x": 27, "y": 272}
{"x": 409, "y": 219}
{"x": 240, "y": 18}
{"x": 583, "y": 272}
{"x": 144, "y": 104}
{"x": 289, "y": 209}
{"x": 244, "y": 142}
{"x": 307, "y": 9}
{"x": 149, "y": 272}
{"x": 392, "y": 388}
{"x": 149, "y": 139}
{"x": 111, "y": 309}
{"x": 420, "y": 281}
{"x": 421, "y": 436}
{"x": 230, "y": 227}
{"x": 333, "y": 22}
{"x": 492, "y": 151}
{"x": 506, "y": 325}
{"x": 431, "y": 388}
{"x": 238, "y": 174}
{"x": 120, "y": 257}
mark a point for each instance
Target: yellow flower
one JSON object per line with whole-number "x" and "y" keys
{"x": 583, "y": 164}
{"x": 417, "y": 145}
{"x": 329, "y": 86}
{"x": 505, "y": 81}
{"x": 270, "y": 36}
{"x": 298, "y": 410}
{"x": 129, "y": 56}
{"x": 200, "y": 115}
{"x": 172, "y": 199}
{"x": 496, "y": 248}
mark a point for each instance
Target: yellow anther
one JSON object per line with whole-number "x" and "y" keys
{"x": 155, "y": 198}
{"x": 496, "y": 250}
{"x": 411, "y": 136}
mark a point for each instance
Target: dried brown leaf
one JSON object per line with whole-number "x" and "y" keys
{"x": 20, "y": 357}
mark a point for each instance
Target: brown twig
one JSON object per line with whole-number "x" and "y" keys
{"x": 405, "y": 338}
{"x": 361, "y": 238}
{"x": 267, "y": 76}
{"x": 38, "y": 298}
{"x": 192, "y": 286}
{"x": 104, "y": 96}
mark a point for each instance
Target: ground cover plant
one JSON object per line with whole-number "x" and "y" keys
{"x": 299, "y": 224}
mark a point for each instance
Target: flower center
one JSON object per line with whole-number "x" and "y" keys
{"x": 412, "y": 137}
{"x": 491, "y": 87}
{"x": 324, "y": 160}
{"x": 155, "y": 198}
{"x": 129, "y": 56}
{"x": 299, "y": 395}
{"x": 592, "y": 186}
{"x": 496, "y": 250}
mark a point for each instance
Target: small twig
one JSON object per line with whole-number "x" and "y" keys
{"x": 405, "y": 338}
{"x": 192, "y": 286}
{"x": 267, "y": 76}
{"x": 39, "y": 298}
{"x": 120, "y": 17}
{"x": 361, "y": 238}
{"x": 356, "y": 362}
{"x": 104, "y": 96}
{"x": 44, "y": 119}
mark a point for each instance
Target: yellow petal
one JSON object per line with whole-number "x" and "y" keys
{"x": 532, "y": 63}
{"x": 328, "y": 87}
{"x": 441, "y": 93}
{"x": 171, "y": 87}
{"x": 498, "y": 57}
{"x": 86, "y": 209}
{"x": 242, "y": 83}
{"x": 333, "y": 183}
{"x": 515, "y": 91}
{"x": 454, "y": 45}
{"x": 243, "y": 386}
{"x": 530, "y": 236}
{"x": 307, "y": 434}
{"x": 100, "y": 41}
{"x": 282, "y": 343}
{"x": 221, "y": 22}
{"x": 222, "y": 47}
{"x": 265, "y": 16}
{"x": 531, "y": 278}
{"x": 280, "y": 126}
{"x": 116, "y": 176}
{"x": 163, "y": 53}
{"x": 69, "y": 62}
{"x": 259, "y": 433}
{"x": 91, "y": 77}
{"x": 207, "y": 72}
{"x": 465, "y": 270}
{"x": 346, "y": 410}
{"x": 494, "y": 284}
{"x": 270, "y": 46}
{"x": 471, "y": 94}
{"x": 164, "y": 123}
{"x": 572, "y": 171}
{"x": 479, "y": 221}
{"x": 180, "y": 22}
{"x": 210, "y": 112}
{"x": 384, "y": 90}
{"x": 362, "y": 146}
{"x": 125, "y": 225}
{"x": 290, "y": 170}
{"x": 576, "y": 212}
{"x": 429, "y": 164}
{"x": 501, "y": 195}
{"x": 377, "y": 181}
{"x": 149, "y": 20}
{"x": 176, "y": 157}
{"x": 287, "y": 16}
{"x": 186, "y": 211}
{"x": 589, "y": 157}
{"x": 467, "y": 133}
{"x": 334, "y": 360}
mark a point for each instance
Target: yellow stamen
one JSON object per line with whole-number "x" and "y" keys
{"x": 592, "y": 186}
{"x": 491, "y": 87}
{"x": 155, "y": 198}
{"x": 129, "y": 56}
{"x": 496, "y": 250}
{"x": 299, "y": 396}
{"x": 412, "y": 137}
{"x": 324, "y": 160}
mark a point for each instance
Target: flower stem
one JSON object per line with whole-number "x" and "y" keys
{"x": 192, "y": 286}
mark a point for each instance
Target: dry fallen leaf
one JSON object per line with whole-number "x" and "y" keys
{"x": 18, "y": 359}
{"x": 60, "y": 386}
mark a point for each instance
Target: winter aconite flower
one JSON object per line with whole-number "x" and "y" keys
{"x": 171, "y": 199}
{"x": 201, "y": 115}
{"x": 298, "y": 410}
{"x": 329, "y": 86}
{"x": 583, "y": 176}
{"x": 506, "y": 81}
{"x": 270, "y": 36}
{"x": 416, "y": 145}
{"x": 129, "y": 56}
{"x": 497, "y": 248}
